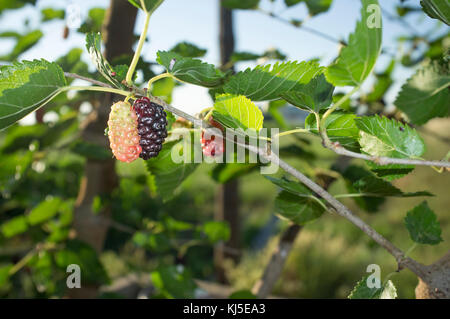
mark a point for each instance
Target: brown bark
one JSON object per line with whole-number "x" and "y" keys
{"x": 227, "y": 197}
{"x": 439, "y": 274}
{"x": 99, "y": 176}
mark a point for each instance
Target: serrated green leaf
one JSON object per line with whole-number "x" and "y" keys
{"x": 357, "y": 60}
{"x": 240, "y": 4}
{"x": 150, "y": 5}
{"x": 426, "y": 94}
{"x": 437, "y": 9}
{"x": 362, "y": 291}
{"x": 341, "y": 127}
{"x": 390, "y": 172}
{"x": 14, "y": 226}
{"x": 422, "y": 225}
{"x": 190, "y": 70}
{"x": 313, "y": 96}
{"x": 296, "y": 202}
{"x": 44, "y": 211}
{"x": 351, "y": 175}
{"x": 40, "y": 79}
{"x": 270, "y": 82}
{"x": 168, "y": 174}
{"x": 298, "y": 209}
{"x": 289, "y": 186}
{"x": 380, "y": 136}
{"x": 237, "y": 112}
{"x": 188, "y": 50}
{"x": 373, "y": 186}
{"x": 93, "y": 46}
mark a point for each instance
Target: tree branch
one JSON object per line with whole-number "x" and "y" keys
{"x": 338, "y": 149}
{"x": 80, "y": 77}
{"x": 337, "y": 206}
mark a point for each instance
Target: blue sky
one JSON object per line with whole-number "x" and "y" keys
{"x": 197, "y": 22}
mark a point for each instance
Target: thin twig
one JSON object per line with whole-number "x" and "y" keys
{"x": 338, "y": 149}
{"x": 80, "y": 77}
{"x": 339, "y": 208}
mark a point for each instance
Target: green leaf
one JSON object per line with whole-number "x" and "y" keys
{"x": 168, "y": 174}
{"x": 437, "y": 9}
{"x": 150, "y": 5}
{"x": 270, "y": 82}
{"x": 298, "y": 209}
{"x": 341, "y": 127}
{"x": 351, "y": 175}
{"x": 93, "y": 46}
{"x": 190, "y": 70}
{"x": 289, "y": 186}
{"x": 94, "y": 21}
{"x": 173, "y": 282}
{"x": 240, "y": 4}
{"x": 296, "y": 202}
{"x": 362, "y": 291}
{"x": 216, "y": 231}
{"x": 24, "y": 42}
{"x": 314, "y": 6}
{"x": 237, "y": 112}
{"x": 242, "y": 294}
{"x": 313, "y": 96}
{"x": 422, "y": 225}
{"x": 380, "y": 136}
{"x": 188, "y": 50}
{"x": 14, "y": 226}
{"x": 357, "y": 60}
{"x": 91, "y": 151}
{"x": 390, "y": 172}
{"x": 14, "y": 4}
{"x": 225, "y": 172}
{"x": 248, "y": 56}
{"x": 44, "y": 211}
{"x": 40, "y": 79}
{"x": 426, "y": 94}
{"x": 52, "y": 14}
{"x": 371, "y": 185}
{"x": 4, "y": 273}
{"x": 83, "y": 255}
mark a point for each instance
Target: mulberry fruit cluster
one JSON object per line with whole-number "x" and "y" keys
{"x": 123, "y": 132}
{"x": 212, "y": 145}
{"x": 151, "y": 127}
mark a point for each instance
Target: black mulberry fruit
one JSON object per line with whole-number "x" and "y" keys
{"x": 152, "y": 127}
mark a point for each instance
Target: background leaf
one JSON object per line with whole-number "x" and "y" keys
{"x": 426, "y": 94}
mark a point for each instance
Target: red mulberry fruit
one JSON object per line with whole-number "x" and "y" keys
{"x": 152, "y": 127}
{"x": 213, "y": 145}
{"x": 123, "y": 132}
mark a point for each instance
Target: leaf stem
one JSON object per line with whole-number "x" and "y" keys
{"x": 137, "y": 54}
{"x": 298, "y": 130}
{"x": 158, "y": 77}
